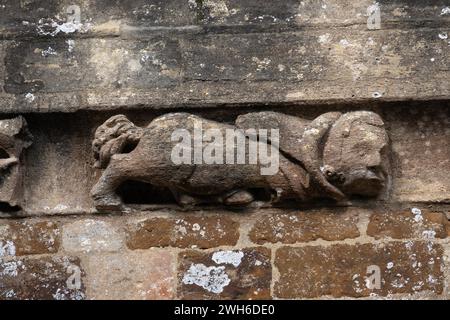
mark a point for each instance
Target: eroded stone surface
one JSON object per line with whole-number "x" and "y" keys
{"x": 89, "y": 235}
{"x": 330, "y": 225}
{"x": 225, "y": 274}
{"x": 347, "y": 270}
{"x": 210, "y": 69}
{"x": 48, "y": 278}
{"x": 142, "y": 275}
{"x": 421, "y": 153}
{"x": 183, "y": 232}
{"x": 414, "y": 223}
{"x": 295, "y": 13}
{"x": 28, "y": 237}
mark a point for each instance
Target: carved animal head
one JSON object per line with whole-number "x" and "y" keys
{"x": 355, "y": 155}
{"x": 112, "y": 136}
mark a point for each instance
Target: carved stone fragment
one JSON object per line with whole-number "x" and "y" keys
{"x": 333, "y": 156}
{"x": 14, "y": 138}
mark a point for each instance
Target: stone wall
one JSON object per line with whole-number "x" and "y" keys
{"x": 67, "y": 73}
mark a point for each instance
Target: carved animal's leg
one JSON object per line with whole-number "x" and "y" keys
{"x": 184, "y": 199}
{"x": 6, "y": 163}
{"x": 238, "y": 198}
{"x": 104, "y": 191}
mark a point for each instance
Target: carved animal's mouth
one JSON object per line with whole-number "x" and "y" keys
{"x": 365, "y": 182}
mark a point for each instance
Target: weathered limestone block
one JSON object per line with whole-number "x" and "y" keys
{"x": 421, "y": 153}
{"x": 45, "y": 278}
{"x": 89, "y": 63}
{"x": 293, "y": 226}
{"x": 14, "y": 138}
{"x": 56, "y": 18}
{"x": 359, "y": 270}
{"x": 143, "y": 275}
{"x": 101, "y": 17}
{"x": 58, "y": 171}
{"x": 90, "y": 236}
{"x": 226, "y": 274}
{"x": 354, "y": 161}
{"x": 336, "y": 65}
{"x": 324, "y": 12}
{"x": 28, "y": 237}
{"x": 184, "y": 232}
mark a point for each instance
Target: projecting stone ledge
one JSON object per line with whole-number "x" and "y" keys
{"x": 309, "y": 67}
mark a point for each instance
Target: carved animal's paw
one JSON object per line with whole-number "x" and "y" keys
{"x": 108, "y": 203}
{"x": 186, "y": 202}
{"x": 239, "y": 198}
{"x": 6, "y": 163}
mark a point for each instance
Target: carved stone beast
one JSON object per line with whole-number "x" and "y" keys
{"x": 14, "y": 138}
{"x": 333, "y": 156}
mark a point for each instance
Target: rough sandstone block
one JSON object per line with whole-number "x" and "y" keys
{"x": 139, "y": 275}
{"x": 346, "y": 270}
{"x": 59, "y": 278}
{"x": 237, "y": 274}
{"x": 28, "y": 237}
{"x": 185, "y": 232}
{"x": 413, "y": 223}
{"x": 333, "y": 225}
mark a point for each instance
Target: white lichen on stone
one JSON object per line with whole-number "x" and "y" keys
{"x": 228, "y": 257}
{"x": 10, "y": 294}
{"x": 11, "y": 268}
{"x": 71, "y": 45}
{"x": 67, "y": 27}
{"x": 262, "y": 64}
{"x": 443, "y": 35}
{"x": 344, "y": 42}
{"x": 29, "y": 97}
{"x": 49, "y": 52}
{"x": 60, "y": 207}
{"x": 212, "y": 279}
{"x": 417, "y": 214}
{"x": 324, "y": 38}
{"x": 429, "y": 234}
{"x": 445, "y": 11}
{"x": 7, "y": 249}
{"x": 192, "y": 4}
